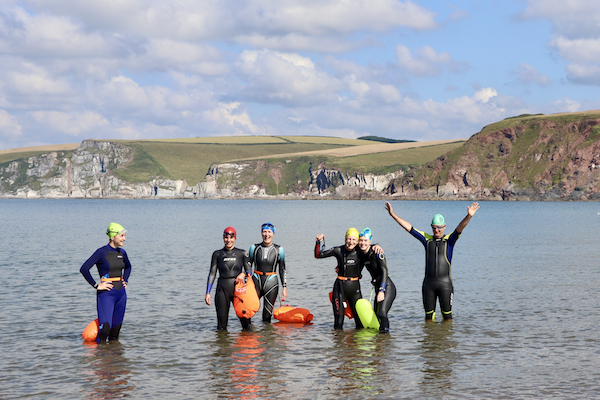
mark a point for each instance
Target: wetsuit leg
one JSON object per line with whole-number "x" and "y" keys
{"x": 223, "y": 299}
{"x": 270, "y": 290}
{"x": 337, "y": 301}
{"x": 105, "y": 306}
{"x": 118, "y": 315}
{"x": 382, "y": 308}
{"x": 429, "y": 298}
{"x": 353, "y": 294}
{"x": 445, "y": 292}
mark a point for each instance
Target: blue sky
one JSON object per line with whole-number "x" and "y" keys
{"x": 421, "y": 70}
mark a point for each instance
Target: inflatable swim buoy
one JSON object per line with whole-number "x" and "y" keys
{"x": 293, "y": 314}
{"x": 347, "y": 309}
{"x": 90, "y": 333}
{"x": 245, "y": 299}
{"x": 366, "y": 314}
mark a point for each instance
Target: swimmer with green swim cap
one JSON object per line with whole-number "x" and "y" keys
{"x": 438, "y": 257}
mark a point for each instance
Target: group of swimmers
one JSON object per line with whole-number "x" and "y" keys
{"x": 268, "y": 259}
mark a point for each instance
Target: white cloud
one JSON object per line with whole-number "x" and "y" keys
{"x": 71, "y": 123}
{"x": 10, "y": 129}
{"x": 572, "y": 18}
{"x": 528, "y": 74}
{"x": 427, "y": 61}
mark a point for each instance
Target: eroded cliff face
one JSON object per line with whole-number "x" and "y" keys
{"x": 538, "y": 160}
{"x": 87, "y": 172}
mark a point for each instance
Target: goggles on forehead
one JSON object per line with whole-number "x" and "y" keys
{"x": 229, "y": 234}
{"x": 269, "y": 226}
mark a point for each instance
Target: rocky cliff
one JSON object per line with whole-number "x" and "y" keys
{"x": 523, "y": 158}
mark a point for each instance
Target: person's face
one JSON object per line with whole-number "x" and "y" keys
{"x": 438, "y": 231}
{"x": 351, "y": 242}
{"x": 364, "y": 243}
{"x": 229, "y": 240}
{"x": 267, "y": 236}
{"x": 118, "y": 240}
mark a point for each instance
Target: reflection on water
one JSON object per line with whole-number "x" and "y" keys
{"x": 109, "y": 371}
{"x": 437, "y": 352}
{"x": 360, "y": 361}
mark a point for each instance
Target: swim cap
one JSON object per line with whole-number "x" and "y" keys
{"x": 366, "y": 233}
{"x": 352, "y": 232}
{"x": 268, "y": 226}
{"x": 438, "y": 219}
{"x": 114, "y": 229}
{"x": 230, "y": 230}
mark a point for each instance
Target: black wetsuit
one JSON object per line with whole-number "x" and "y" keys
{"x": 377, "y": 267}
{"x": 266, "y": 259}
{"x": 347, "y": 285}
{"x": 437, "y": 282}
{"x": 229, "y": 263}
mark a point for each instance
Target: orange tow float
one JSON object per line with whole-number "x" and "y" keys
{"x": 245, "y": 299}
{"x": 293, "y": 314}
{"x": 90, "y": 332}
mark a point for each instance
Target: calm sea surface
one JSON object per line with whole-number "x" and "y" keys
{"x": 526, "y": 309}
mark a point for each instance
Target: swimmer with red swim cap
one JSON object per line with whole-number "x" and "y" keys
{"x": 233, "y": 265}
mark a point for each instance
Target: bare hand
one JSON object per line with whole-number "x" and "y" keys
{"x": 207, "y": 299}
{"x": 284, "y": 294}
{"x": 124, "y": 284}
{"x": 377, "y": 249}
{"x": 389, "y": 208}
{"x": 240, "y": 278}
{"x": 104, "y": 286}
{"x": 473, "y": 208}
{"x": 320, "y": 237}
{"x": 380, "y": 296}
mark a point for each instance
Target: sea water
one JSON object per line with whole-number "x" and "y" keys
{"x": 526, "y": 306}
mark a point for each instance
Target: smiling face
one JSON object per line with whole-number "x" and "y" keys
{"x": 351, "y": 242}
{"x": 229, "y": 240}
{"x": 118, "y": 240}
{"x": 438, "y": 231}
{"x": 364, "y": 244}
{"x": 267, "y": 236}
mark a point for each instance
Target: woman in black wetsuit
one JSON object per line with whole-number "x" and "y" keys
{"x": 347, "y": 284}
{"x": 377, "y": 267}
{"x": 233, "y": 265}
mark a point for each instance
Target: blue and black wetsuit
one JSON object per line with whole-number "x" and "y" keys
{"x": 377, "y": 267}
{"x": 113, "y": 266}
{"x": 229, "y": 264}
{"x": 347, "y": 284}
{"x": 437, "y": 282}
{"x": 266, "y": 259}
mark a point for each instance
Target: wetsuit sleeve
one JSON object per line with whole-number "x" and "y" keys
{"x": 127, "y": 270}
{"x": 382, "y": 264}
{"x": 247, "y": 264}
{"x": 453, "y": 238}
{"x": 251, "y": 252}
{"x": 320, "y": 251}
{"x": 419, "y": 235}
{"x": 282, "y": 273}
{"x": 85, "y": 268}
{"x": 212, "y": 274}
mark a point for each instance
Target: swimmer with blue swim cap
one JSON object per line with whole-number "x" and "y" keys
{"x": 269, "y": 262}
{"x": 438, "y": 257}
{"x": 383, "y": 285}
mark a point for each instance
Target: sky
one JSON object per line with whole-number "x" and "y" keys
{"x": 72, "y": 70}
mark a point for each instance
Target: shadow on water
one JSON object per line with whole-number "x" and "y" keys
{"x": 438, "y": 356}
{"x": 109, "y": 371}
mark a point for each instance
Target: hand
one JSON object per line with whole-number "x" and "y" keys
{"x": 473, "y": 208}
{"x": 389, "y": 208}
{"x": 284, "y": 294}
{"x": 104, "y": 286}
{"x": 320, "y": 237}
{"x": 124, "y": 284}
{"x": 380, "y": 296}
{"x": 207, "y": 299}
{"x": 377, "y": 249}
{"x": 240, "y": 278}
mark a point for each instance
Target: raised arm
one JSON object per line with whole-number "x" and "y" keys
{"x": 405, "y": 224}
{"x": 471, "y": 210}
